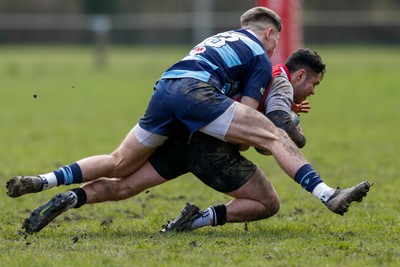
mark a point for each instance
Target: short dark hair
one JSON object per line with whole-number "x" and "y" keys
{"x": 257, "y": 15}
{"x": 307, "y": 59}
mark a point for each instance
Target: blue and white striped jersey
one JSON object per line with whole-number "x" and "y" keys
{"x": 233, "y": 62}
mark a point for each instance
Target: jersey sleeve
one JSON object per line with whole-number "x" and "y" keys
{"x": 280, "y": 96}
{"x": 279, "y": 106}
{"x": 259, "y": 78}
{"x": 282, "y": 120}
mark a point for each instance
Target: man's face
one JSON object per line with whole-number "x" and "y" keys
{"x": 304, "y": 84}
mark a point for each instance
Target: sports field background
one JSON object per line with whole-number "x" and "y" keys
{"x": 57, "y": 107}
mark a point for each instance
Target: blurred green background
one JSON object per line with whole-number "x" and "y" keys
{"x": 59, "y": 105}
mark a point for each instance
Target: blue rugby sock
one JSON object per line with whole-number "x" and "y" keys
{"x": 69, "y": 174}
{"x": 307, "y": 177}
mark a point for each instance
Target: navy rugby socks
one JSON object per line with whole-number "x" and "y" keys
{"x": 310, "y": 180}
{"x": 69, "y": 174}
{"x": 307, "y": 177}
{"x": 78, "y": 197}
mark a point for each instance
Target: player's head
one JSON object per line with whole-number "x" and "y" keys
{"x": 307, "y": 70}
{"x": 265, "y": 23}
{"x": 307, "y": 59}
{"x": 258, "y": 18}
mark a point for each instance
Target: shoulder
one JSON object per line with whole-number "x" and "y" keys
{"x": 280, "y": 95}
{"x": 282, "y": 85}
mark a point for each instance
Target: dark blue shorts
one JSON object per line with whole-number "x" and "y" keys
{"x": 216, "y": 163}
{"x": 190, "y": 101}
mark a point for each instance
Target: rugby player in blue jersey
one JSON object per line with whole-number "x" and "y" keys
{"x": 195, "y": 92}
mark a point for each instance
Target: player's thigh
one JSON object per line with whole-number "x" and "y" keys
{"x": 250, "y": 127}
{"x": 143, "y": 178}
{"x": 105, "y": 189}
{"x": 130, "y": 155}
{"x": 258, "y": 188}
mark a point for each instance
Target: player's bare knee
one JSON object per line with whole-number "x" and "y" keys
{"x": 274, "y": 206}
{"x": 283, "y": 135}
{"x": 116, "y": 158}
{"x": 272, "y": 144}
{"x": 119, "y": 164}
{"x": 271, "y": 206}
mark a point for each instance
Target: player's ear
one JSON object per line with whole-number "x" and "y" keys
{"x": 269, "y": 32}
{"x": 301, "y": 73}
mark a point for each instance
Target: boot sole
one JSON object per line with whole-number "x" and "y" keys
{"x": 46, "y": 213}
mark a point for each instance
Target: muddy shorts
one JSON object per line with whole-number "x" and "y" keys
{"x": 188, "y": 101}
{"x": 216, "y": 163}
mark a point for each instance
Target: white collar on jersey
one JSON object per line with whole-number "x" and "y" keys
{"x": 284, "y": 73}
{"x": 253, "y": 33}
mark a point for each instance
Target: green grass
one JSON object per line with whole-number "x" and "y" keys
{"x": 81, "y": 110}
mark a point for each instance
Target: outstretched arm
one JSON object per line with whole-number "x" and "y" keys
{"x": 282, "y": 120}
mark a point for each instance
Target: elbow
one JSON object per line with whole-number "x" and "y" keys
{"x": 301, "y": 143}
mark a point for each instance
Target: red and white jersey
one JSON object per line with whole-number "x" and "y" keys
{"x": 279, "y": 95}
